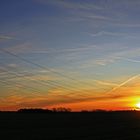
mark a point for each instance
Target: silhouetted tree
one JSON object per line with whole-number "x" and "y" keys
{"x": 34, "y": 110}
{"x": 84, "y": 111}
{"x": 39, "y": 110}
{"x": 61, "y": 109}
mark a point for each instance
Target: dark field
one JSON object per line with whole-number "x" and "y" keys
{"x": 70, "y": 126}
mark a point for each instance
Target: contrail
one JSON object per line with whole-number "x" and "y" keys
{"x": 45, "y": 68}
{"x": 124, "y": 83}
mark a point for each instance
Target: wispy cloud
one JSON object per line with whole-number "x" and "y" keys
{"x": 102, "y": 33}
{"x": 105, "y": 83}
{"x": 104, "y": 62}
{"x": 76, "y": 49}
{"x": 84, "y": 10}
{"x": 12, "y": 65}
{"x": 97, "y": 16}
{"x": 21, "y": 48}
{"x": 127, "y": 25}
{"x": 5, "y": 37}
{"x": 73, "y": 5}
{"x": 28, "y": 47}
{"x": 113, "y": 56}
{"x": 46, "y": 101}
{"x": 129, "y": 60}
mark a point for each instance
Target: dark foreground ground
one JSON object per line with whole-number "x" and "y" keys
{"x": 70, "y": 126}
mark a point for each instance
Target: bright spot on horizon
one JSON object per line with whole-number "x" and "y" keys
{"x": 138, "y": 105}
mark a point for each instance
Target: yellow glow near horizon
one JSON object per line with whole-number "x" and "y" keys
{"x": 138, "y": 105}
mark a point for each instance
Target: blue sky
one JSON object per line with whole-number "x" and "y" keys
{"x": 74, "y": 44}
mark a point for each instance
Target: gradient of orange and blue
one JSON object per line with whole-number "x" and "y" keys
{"x": 81, "y": 54}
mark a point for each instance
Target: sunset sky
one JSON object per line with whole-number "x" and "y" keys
{"x": 81, "y": 54}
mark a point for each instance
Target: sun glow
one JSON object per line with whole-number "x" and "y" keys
{"x": 138, "y": 105}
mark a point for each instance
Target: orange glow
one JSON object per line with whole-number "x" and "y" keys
{"x": 125, "y": 98}
{"x": 93, "y": 105}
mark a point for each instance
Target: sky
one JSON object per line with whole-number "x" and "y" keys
{"x": 80, "y": 54}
